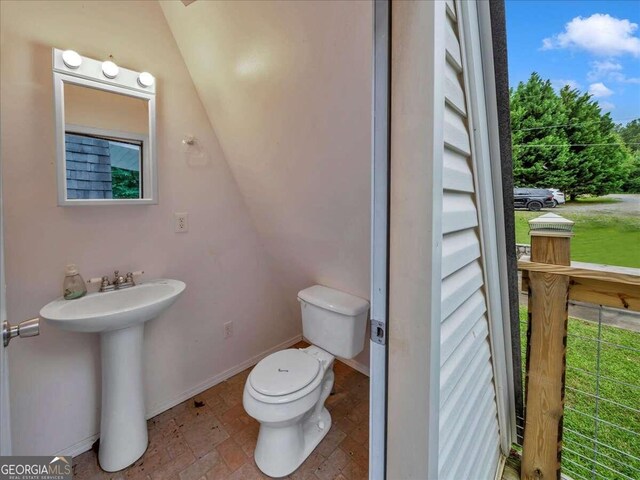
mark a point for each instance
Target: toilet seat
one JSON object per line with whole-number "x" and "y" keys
{"x": 306, "y": 371}
{"x": 284, "y": 372}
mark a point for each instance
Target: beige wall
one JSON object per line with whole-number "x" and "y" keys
{"x": 106, "y": 110}
{"x": 287, "y": 87}
{"x": 55, "y": 377}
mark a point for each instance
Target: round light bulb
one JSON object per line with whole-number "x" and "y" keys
{"x": 71, "y": 59}
{"x": 110, "y": 69}
{"x": 145, "y": 79}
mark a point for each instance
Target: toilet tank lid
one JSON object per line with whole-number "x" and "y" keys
{"x": 334, "y": 300}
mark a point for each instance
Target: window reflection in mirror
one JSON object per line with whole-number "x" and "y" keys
{"x": 103, "y": 167}
{"x": 106, "y": 136}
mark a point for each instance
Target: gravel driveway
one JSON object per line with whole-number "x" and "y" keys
{"x": 629, "y": 204}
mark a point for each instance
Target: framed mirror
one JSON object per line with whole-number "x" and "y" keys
{"x": 105, "y": 132}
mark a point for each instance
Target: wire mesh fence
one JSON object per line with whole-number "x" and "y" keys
{"x": 601, "y": 425}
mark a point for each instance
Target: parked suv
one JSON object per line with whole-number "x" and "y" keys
{"x": 532, "y": 198}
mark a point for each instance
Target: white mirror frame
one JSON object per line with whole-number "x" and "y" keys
{"x": 89, "y": 74}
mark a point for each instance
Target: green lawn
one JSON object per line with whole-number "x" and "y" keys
{"x": 618, "y": 408}
{"x": 592, "y": 200}
{"x": 610, "y": 240}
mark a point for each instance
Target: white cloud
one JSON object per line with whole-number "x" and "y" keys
{"x": 599, "y": 34}
{"x": 560, "y": 83}
{"x": 622, "y": 78}
{"x": 610, "y": 70}
{"x": 603, "y": 69}
{"x": 599, "y": 90}
{"x": 606, "y": 106}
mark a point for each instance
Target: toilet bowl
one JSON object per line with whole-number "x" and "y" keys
{"x": 285, "y": 392}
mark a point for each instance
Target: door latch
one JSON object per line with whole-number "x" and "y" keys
{"x": 378, "y": 332}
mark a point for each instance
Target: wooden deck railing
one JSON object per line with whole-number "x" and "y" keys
{"x": 552, "y": 280}
{"x": 607, "y": 285}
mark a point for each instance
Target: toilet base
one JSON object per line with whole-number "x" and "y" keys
{"x": 313, "y": 435}
{"x": 307, "y": 436}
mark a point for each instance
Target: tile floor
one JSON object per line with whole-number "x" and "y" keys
{"x": 210, "y": 437}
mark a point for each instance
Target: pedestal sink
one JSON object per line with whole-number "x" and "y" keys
{"x": 118, "y": 316}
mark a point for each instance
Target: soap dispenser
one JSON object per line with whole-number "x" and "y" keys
{"x": 73, "y": 286}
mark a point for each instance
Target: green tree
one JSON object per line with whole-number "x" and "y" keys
{"x": 630, "y": 135}
{"x": 565, "y": 141}
{"x": 596, "y": 160}
{"x": 540, "y": 146}
{"x": 125, "y": 183}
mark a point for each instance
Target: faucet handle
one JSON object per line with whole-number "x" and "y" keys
{"x": 118, "y": 279}
{"x": 129, "y": 278}
{"x": 105, "y": 282}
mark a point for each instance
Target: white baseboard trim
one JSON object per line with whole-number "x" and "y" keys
{"x": 364, "y": 369}
{"x": 85, "y": 445}
{"x": 78, "y": 448}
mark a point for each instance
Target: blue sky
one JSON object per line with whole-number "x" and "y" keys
{"x": 591, "y": 45}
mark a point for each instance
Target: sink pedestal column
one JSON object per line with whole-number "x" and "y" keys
{"x": 123, "y": 426}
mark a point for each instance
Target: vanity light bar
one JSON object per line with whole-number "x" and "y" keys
{"x": 110, "y": 69}
{"x": 71, "y": 59}
{"x": 145, "y": 79}
{"x": 71, "y": 63}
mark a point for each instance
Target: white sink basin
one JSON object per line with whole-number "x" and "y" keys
{"x": 100, "y": 312}
{"x": 119, "y": 317}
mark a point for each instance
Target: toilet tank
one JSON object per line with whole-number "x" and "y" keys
{"x": 333, "y": 320}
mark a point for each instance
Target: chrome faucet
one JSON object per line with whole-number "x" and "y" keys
{"x": 118, "y": 281}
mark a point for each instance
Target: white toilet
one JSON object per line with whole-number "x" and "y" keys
{"x": 286, "y": 391}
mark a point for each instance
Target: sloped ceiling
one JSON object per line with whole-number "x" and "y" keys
{"x": 287, "y": 88}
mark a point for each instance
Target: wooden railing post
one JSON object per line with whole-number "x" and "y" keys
{"x": 546, "y": 348}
